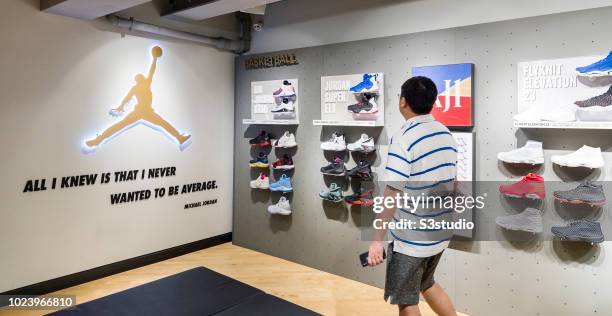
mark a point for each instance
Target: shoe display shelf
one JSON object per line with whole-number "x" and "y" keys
{"x": 567, "y": 125}
{"x": 364, "y": 123}
{"x": 270, "y": 122}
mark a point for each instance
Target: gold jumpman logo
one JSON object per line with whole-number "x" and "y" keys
{"x": 142, "y": 113}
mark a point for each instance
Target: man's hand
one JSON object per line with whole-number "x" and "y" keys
{"x": 375, "y": 253}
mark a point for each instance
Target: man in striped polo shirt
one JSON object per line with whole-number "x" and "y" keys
{"x": 421, "y": 163}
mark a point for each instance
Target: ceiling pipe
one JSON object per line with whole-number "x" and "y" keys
{"x": 221, "y": 43}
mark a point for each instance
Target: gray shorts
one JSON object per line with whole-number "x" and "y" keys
{"x": 408, "y": 276}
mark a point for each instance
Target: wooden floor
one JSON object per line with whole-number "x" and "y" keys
{"x": 319, "y": 291}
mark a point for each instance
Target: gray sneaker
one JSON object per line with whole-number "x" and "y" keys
{"x": 530, "y": 220}
{"x": 335, "y": 168}
{"x": 586, "y": 193}
{"x": 581, "y": 230}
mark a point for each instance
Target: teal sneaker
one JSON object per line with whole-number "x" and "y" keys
{"x": 333, "y": 194}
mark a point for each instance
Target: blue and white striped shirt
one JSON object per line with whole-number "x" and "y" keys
{"x": 422, "y": 159}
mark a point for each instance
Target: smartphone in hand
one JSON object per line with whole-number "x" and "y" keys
{"x": 364, "y": 258}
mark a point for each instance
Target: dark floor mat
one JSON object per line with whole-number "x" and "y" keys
{"x": 266, "y": 305}
{"x": 198, "y": 291}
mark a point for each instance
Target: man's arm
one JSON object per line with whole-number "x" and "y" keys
{"x": 376, "y": 250}
{"x": 152, "y": 70}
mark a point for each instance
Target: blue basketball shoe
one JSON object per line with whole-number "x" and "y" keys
{"x": 282, "y": 185}
{"x": 603, "y": 66}
{"x": 368, "y": 85}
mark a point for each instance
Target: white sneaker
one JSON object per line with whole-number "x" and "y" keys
{"x": 531, "y": 153}
{"x": 595, "y": 114}
{"x": 285, "y": 105}
{"x": 335, "y": 143}
{"x": 364, "y": 144}
{"x": 286, "y": 90}
{"x": 286, "y": 141}
{"x": 281, "y": 208}
{"x": 561, "y": 114}
{"x": 262, "y": 182}
{"x": 586, "y": 156}
{"x": 533, "y": 114}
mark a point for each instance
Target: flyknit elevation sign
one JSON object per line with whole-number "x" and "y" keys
{"x": 454, "y": 82}
{"x": 278, "y": 60}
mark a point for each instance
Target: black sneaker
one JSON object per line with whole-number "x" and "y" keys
{"x": 335, "y": 168}
{"x": 363, "y": 170}
{"x": 262, "y": 139}
{"x": 365, "y": 105}
{"x": 260, "y": 162}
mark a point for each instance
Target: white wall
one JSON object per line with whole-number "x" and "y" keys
{"x": 59, "y": 77}
{"x": 296, "y": 23}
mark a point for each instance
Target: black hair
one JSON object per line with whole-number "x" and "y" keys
{"x": 420, "y": 93}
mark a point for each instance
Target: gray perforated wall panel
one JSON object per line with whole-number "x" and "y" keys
{"x": 483, "y": 278}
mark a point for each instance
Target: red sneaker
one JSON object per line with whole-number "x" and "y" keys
{"x": 531, "y": 186}
{"x": 364, "y": 199}
{"x": 285, "y": 163}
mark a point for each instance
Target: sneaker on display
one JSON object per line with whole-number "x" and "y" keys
{"x": 286, "y": 90}
{"x": 529, "y": 220}
{"x": 281, "y": 208}
{"x": 560, "y": 114}
{"x": 602, "y": 100}
{"x": 533, "y": 114}
{"x": 531, "y": 153}
{"x": 581, "y": 230}
{"x": 531, "y": 186}
{"x": 263, "y": 139}
{"x": 362, "y": 197}
{"x": 364, "y": 144}
{"x": 585, "y": 193}
{"x": 335, "y": 143}
{"x": 286, "y": 141}
{"x": 333, "y": 193}
{"x": 365, "y": 105}
{"x": 595, "y": 114}
{"x": 284, "y": 163}
{"x": 586, "y": 156}
{"x": 369, "y": 84}
{"x": 363, "y": 170}
{"x": 284, "y": 106}
{"x": 282, "y": 185}
{"x": 603, "y": 66}
{"x": 260, "y": 162}
{"x": 262, "y": 182}
{"x": 335, "y": 168}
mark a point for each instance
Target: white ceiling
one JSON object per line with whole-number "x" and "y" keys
{"x": 87, "y": 9}
{"x": 220, "y": 7}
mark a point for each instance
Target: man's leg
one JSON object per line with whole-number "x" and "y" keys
{"x": 409, "y": 310}
{"x": 114, "y": 129}
{"x": 155, "y": 119}
{"x": 439, "y": 301}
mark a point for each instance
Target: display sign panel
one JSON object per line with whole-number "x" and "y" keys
{"x": 353, "y": 100}
{"x": 465, "y": 156}
{"x": 465, "y": 176}
{"x": 565, "y": 93}
{"x": 454, "y": 105}
{"x": 274, "y": 102}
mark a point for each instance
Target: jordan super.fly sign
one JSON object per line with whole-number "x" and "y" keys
{"x": 454, "y": 82}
